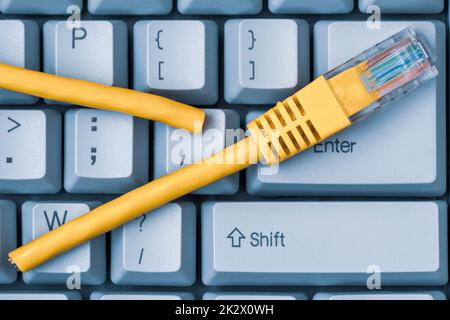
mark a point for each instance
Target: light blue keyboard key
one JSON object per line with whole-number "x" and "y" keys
{"x": 105, "y": 152}
{"x": 403, "y": 6}
{"x": 177, "y": 59}
{"x": 129, "y": 7}
{"x": 157, "y": 248}
{"x": 20, "y": 47}
{"x": 382, "y": 155}
{"x": 228, "y": 7}
{"x": 38, "y": 6}
{"x": 380, "y": 295}
{"x": 88, "y": 261}
{"x": 30, "y": 153}
{"x": 324, "y": 243}
{"x": 311, "y": 6}
{"x": 96, "y": 51}
{"x": 254, "y": 296}
{"x": 8, "y": 240}
{"x": 96, "y": 295}
{"x": 69, "y": 295}
{"x": 176, "y": 148}
{"x": 266, "y": 60}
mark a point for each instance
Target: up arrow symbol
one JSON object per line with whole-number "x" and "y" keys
{"x": 16, "y": 124}
{"x": 236, "y": 237}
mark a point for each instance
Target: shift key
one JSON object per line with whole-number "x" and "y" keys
{"x": 324, "y": 243}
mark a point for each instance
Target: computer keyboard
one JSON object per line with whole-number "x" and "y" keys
{"x": 372, "y": 199}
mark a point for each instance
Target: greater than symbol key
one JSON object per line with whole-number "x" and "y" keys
{"x": 16, "y": 124}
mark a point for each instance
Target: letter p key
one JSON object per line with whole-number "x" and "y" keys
{"x": 78, "y": 34}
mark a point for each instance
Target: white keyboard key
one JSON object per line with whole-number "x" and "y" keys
{"x": 96, "y": 295}
{"x": 129, "y": 7}
{"x": 377, "y": 156}
{"x": 380, "y": 295}
{"x": 69, "y": 295}
{"x": 87, "y": 260}
{"x": 324, "y": 243}
{"x": 311, "y": 6}
{"x": 38, "y": 6}
{"x": 176, "y": 148}
{"x": 227, "y": 7}
{"x": 105, "y": 152}
{"x": 20, "y": 47}
{"x": 266, "y": 60}
{"x": 8, "y": 240}
{"x": 30, "y": 156}
{"x": 96, "y": 51}
{"x": 253, "y": 296}
{"x": 157, "y": 248}
{"x": 402, "y": 6}
{"x": 177, "y": 59}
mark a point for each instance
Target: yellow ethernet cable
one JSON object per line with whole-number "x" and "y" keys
{"x": 326, "y": 106}
{"x": 94, "y": 95}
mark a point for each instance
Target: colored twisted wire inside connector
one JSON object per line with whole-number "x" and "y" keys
{"x": 401, "y": 63}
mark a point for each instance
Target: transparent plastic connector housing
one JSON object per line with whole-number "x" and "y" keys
{"x": 392, "y": 68}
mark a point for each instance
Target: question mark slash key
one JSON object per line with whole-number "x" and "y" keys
{"x": 141, "y": 223}
{"x": 157, "y": 248}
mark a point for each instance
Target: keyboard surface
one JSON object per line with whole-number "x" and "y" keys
{"x": 370, "y": 201}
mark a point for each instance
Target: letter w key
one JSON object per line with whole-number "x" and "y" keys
{"x": 42, "y": 217}
{"x": 55, "y": 218}
{"x": 88, "y": 259}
